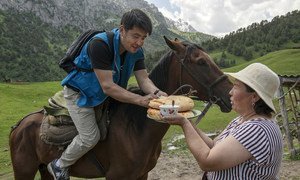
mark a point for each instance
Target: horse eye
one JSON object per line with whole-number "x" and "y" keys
{"x": 201, "y": 62}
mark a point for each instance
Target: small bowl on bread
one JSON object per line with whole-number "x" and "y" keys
{"x": 163, "y": 106}
{"x": 168, "y": 110}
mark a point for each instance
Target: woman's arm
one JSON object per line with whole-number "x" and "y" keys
{"x": 209, "y": 142}
{"x": 223, "y": 155}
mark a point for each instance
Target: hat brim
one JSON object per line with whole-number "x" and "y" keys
{"x": 245, "y": 80}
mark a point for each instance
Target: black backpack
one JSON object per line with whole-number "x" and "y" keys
{"x": 67, "y": 62}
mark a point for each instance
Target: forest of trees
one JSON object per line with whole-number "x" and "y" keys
{"x": 34, "y": 57}
{"x": 259, "y": 39}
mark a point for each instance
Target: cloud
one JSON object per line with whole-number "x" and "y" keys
{"x": 167, "y": 13}
{"x": 220, "y": 17}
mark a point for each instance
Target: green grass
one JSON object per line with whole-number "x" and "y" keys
{"x": 17, "y": 100}
{"x": 283, "y": 62}
{"x": 238, "y": 59}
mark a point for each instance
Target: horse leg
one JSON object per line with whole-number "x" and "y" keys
{"x": 22, "y": 142}
{"x": 24, "y": 161}
{"x": 30, "y": 173}
{"x": 22, "y": 171}
{"x": 44, "y": 172}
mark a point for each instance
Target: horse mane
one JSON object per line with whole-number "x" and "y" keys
{"x": 160, "y": 71}
{"x": 132, "y": 114}
{"x": 187, "y": 43}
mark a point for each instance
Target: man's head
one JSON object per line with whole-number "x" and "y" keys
{"x": 136, "y": 18}
{"x": 135, "y": 27}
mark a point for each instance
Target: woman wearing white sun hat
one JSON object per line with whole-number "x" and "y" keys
{"x": 250, "y": 147}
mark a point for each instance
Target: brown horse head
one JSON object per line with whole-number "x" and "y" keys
{"x": 190, "y": 64}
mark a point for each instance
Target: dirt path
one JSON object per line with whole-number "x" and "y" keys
{"x": 184, "y": 167}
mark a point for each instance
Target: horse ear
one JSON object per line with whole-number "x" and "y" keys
{"x": 169, "y": 42}
{"x": 174, "y": 44}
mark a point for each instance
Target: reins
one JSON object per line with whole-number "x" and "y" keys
{"x": 191, "y": 92}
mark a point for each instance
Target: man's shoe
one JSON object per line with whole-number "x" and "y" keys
{"x": 57, "y": 172}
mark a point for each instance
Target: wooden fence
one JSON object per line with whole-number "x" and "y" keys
{"x": 289, "y": 102}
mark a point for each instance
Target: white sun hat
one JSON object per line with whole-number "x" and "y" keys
{"x": 261, "y": 79}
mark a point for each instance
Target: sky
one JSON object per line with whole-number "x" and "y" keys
{"x": 220, "y": 17}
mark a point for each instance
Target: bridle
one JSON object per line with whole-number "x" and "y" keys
{"x": 209, "y": 88}
{"x": 212, "y": 98}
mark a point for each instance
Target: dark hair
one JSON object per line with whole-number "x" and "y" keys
{"x": 137, "y": 18}
{"x": 260, "y": 107}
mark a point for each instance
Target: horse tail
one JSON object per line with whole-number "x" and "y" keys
{"x": 18, "y": 123}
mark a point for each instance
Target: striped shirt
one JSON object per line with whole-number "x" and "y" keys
{"x": 263, "y": 139}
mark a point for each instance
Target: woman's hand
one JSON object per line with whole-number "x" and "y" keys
{"x": 175, "y": 120}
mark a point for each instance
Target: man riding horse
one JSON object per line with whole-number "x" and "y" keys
{"x": 134, "y": 142}
{"x": 111, "y": 72}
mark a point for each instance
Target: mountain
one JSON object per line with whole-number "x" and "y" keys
{"x": 35, "y": 34}
{"x": 180, "y": 25}
{"x": 104, "y": 14}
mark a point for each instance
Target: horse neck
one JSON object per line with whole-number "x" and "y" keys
{"x": 160, "y": 73}
{"x": 166, "y": 74}
{"x": 133, "y": 119}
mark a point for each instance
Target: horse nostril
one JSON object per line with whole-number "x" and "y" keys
{"x": 214, "y": 99}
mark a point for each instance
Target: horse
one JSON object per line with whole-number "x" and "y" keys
{"x": 133, "y": 143}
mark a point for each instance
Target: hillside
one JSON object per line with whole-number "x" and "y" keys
{"x": 258, "y": 39}
{"x": 193, "y": 36}
{"x": 283, "y": 62}
{"x": 34, "y": 35}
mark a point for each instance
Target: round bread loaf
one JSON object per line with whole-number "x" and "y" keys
{"x": 184, "y": 103}
{"x": 155, "y": 114}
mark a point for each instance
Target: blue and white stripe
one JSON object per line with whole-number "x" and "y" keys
{"x": 263, "y": 139}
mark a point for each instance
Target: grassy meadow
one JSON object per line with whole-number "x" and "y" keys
{"x": 19, "y": 99}
{"x": 283, "y": 62}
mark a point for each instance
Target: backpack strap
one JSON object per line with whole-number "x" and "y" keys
{"x": 110, "y": 37}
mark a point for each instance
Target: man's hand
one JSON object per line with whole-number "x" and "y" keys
{"x": 144, "y": 100}
{"x": 159, "y": 93}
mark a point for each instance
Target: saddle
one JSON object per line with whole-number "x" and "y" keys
{"x": 57, "y": 127}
